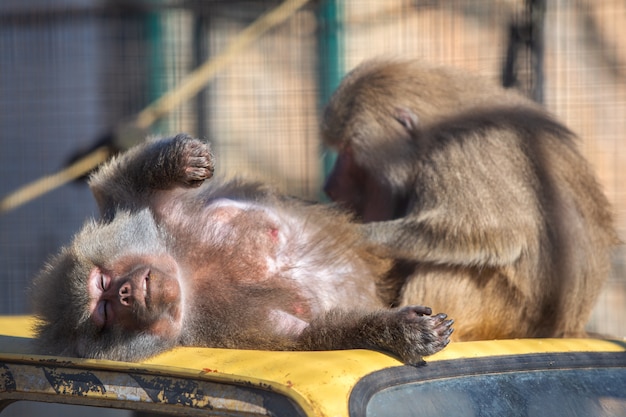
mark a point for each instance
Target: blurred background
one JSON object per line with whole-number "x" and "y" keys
{"x": 74, "y": 73}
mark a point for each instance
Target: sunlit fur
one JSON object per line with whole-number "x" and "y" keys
{"x": 496, "y": 218}
{"x": 240, "y": 266}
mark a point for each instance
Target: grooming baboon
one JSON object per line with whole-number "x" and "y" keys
{"x": 482, "y": 197}
{"x": 176, "y": 261}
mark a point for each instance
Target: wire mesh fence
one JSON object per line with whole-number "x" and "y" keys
{"x": 73, "y": 71}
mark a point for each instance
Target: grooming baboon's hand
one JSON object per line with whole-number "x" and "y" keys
{"x": 194, "y": 161}
{"x": 418, "y": 333}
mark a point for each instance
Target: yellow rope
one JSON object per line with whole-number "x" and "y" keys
{"x": 189, "y": 87}
{"x": 50, "y": 182}
{"x": 195, "y": 81}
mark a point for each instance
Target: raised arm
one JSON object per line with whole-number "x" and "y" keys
{"x": 130, "y": 180}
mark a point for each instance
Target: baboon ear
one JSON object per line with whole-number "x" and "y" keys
{"x": 407, "y": 118}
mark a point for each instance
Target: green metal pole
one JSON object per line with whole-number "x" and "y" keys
{"x": 157, "y": 72}
{"x": 330, "y": 59}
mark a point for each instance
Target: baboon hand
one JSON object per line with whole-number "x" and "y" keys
{"x": 420, "y": 334}
{"x": 195, "y": 162}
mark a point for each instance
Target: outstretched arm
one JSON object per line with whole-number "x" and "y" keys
{"x": 437, "y": 239}
{"x": 408, "y": 332}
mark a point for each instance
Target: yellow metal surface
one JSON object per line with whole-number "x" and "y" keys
{"x": 20, "y": 326}
{"x": 319, "y": 382}
{"x": 524, "y": 346}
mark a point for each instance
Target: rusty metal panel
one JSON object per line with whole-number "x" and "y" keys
{"x": 49, "y": 382}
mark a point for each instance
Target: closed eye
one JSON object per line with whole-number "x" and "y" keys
{"x": 103, "y": 282}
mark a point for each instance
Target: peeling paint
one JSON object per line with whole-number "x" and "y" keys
{"x": 139, "y": 387}
{"x": 7, "y": 382}
{"x": 73, "y": 383}
{"x": 173, "y": 391}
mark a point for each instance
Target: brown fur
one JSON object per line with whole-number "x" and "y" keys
{"x": 176, "y": 261}
{"x": 481, "y": 196}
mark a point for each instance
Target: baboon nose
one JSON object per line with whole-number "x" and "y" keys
{"x": 126, "y": 298}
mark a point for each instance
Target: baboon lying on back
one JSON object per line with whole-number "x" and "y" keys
{"x": 177, "y": 260}
{"x": 480, "y": 195}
